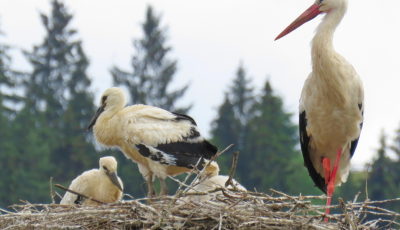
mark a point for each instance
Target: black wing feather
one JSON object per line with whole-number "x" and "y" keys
{"x": 305, "y": 142}
{"x": 184, "y": 117}
{"x": 79, "y": 200}
{"x": 185, "y": 153}
{"x": 355, "y": 142}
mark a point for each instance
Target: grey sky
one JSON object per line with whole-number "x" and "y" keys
{"x": 210, "y": 38}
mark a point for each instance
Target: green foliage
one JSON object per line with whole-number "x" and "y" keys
{"x": 225, "y": 132}
{"x": 76, "y": 151}
{"x": 152, "y": 70}
{"x": 8, "y": 147}
{"x": 46, "y": 87}
{"x": 230, "y": 126}
{"x": 47, "y": 138}
{"x": 272, "y": 146}
{"x": 27, "y": 160}
{"x": 265, "y": 137}
{"x": 8, "y": 78}
{"x": 384, "y": 176}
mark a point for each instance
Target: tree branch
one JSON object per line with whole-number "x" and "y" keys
{"x": 77, "y": 193}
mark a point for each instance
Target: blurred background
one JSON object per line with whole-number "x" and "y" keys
{"x": 213, "y": 60}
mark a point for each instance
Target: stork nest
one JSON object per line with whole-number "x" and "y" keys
{"x": 229, "y": 210}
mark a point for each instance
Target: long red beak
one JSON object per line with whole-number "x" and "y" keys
{"x": 309, "y": 14}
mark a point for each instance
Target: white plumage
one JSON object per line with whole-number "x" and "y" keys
{"x": 102, "y": 184}
{"x": 331, "y": 104}
{"x": 161, "y": 142}
{"x": 212, "y": 181}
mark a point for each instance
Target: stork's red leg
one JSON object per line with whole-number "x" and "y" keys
{"x": 327, "y": 168}
{"x": 331, "y": 183}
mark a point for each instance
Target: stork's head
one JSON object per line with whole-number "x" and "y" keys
{"x": 112, "y": 100}
{"x": 212, "y": 170}
{"x": 108, "y": 165}
{"x": 329, "y": 5}
{"x": 319, "y": 7}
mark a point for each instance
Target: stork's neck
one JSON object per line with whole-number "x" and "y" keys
{"x": 322, "y": 44}
{"x": 325, "y": 60}
{"x": 105, "y": 130}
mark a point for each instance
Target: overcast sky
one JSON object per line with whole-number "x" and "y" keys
{"x": 210, "y": 38}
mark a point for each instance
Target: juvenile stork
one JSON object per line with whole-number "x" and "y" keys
{"x": 161, "y": 142}
{"x": 331, "y": 103}
{"x": 102, "y": 184}
{"x": 209, "y": 181}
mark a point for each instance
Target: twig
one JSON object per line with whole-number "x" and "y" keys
{"x": 190, "y": 216}
{"x": 58, "y": 195}
{"x": 220, "y": 221}
{"x": 51, "y": 191}
{"x": 366, "y": 182}
{"x": 179, "y": 193}
{"x": 3, "y": 210}
{"x": 233, "y": 169}
{"x": 283, "y": 194}
{"x": 79, "y": 194}
{"x": 203, "y": 170}
{"x": 346, "y": 214}
{"x": 356, "y": 197}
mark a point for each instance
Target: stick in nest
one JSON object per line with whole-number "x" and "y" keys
{"x": 233, "y": 169}
{"x": 203, "y": 170}
{"x": 179, "y": 191}
{"x": 79, "y": 194}
{"x": 346, "y": 214}
{"x": 51, "y": 191}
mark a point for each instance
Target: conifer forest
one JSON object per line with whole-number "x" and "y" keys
{"x": 44, "y": 114}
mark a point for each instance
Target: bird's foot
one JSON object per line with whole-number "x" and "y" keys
{"x": 151, "y": 195}
{"x": 331, "y": 189}
{"x": 164, "y": 192}
{"x": 331, "y": 183}
{"x": 164, "y": 189}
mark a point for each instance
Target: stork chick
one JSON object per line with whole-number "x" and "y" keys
{"x": 209, "y": 181}
{"x": 161, "y": 142}
{"x": 331, "y": 104}
{"x": 102, "y": 184}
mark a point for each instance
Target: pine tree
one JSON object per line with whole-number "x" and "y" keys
{"x": 272, "y": 157}
{"x": 225, "y": 132}
{"x": 380, "y": 173}
{"x": 45, "y": 87}
{"x": 233, "y": 115}
{"x": 382, "y": 178}
{"x": 152, "y": 70}
{"x": 28, "y": 163}
{"x": 58, "y": 106}
{"x": 7, "y": 145}
{"x": 396, "y": 145}
{"x": 8, "y": 79}
{"x": 76, "y": 152}
{"x": 243, "y": 99}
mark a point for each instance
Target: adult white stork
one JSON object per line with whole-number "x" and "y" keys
{"x": 161, "y": 142}
{"x": 331, "y": 104}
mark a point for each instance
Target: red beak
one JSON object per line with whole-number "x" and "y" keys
{"x": 309, "y": 14}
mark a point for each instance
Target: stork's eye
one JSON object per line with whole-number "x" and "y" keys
{"x": 320, "y": 1}
{"x": 105, "y": 168}
{"x": 103, "y": 99}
